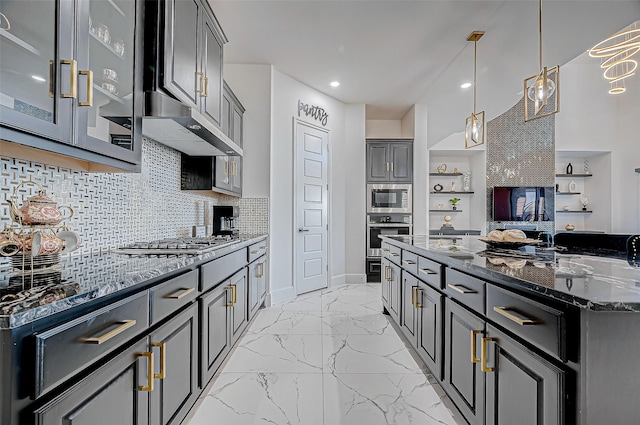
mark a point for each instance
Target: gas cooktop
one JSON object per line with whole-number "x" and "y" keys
{"x": 176, "y": 246}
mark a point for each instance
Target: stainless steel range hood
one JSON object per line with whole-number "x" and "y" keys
{"x": 167, "y": 121}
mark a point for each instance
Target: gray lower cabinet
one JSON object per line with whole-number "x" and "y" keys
{"x": 408, "y": 316}
{"x": 463, "y": 377}
{"x": 429, "y": 317}
{"x": 239, "y": 288}
{"x": 384, "y": 264}
{"x": 215, "y": 325}
{"x": 522, "y": 387}
{"x": 114, "y": 394}
{"x": 391, "y": 289}
{"x": 175, "y": 348}
{"x": 257, "y": 286}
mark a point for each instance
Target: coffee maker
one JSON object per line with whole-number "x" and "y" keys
{"x": 225, "y": 220}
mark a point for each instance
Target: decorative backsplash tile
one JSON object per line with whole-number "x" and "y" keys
{"x": 520, "y": 154}
{"x": 113, "y": 209}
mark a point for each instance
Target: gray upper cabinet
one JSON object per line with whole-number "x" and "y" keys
{"x": 232, "y": 115}
{"x": 73, "y": 86}
{"x": 193, "y": 43}
{"x": 389, "y": 161}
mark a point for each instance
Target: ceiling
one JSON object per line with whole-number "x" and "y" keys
{"x": 390, "y": 55}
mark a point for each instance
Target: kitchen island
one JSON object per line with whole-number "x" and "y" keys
{"x": 117, "y": 338}
{"x": 528, "y": 335}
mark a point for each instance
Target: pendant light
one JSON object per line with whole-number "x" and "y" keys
{"x": 616, "y": 53}
{"x": 474, "y": 127}
{"x": 541, "y": 90}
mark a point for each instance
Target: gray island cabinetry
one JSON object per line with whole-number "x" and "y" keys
{"x": 521, "y": 337}
{"x": 136, "y": 344}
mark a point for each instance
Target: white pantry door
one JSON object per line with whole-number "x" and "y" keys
{"x": 311, "y": 204}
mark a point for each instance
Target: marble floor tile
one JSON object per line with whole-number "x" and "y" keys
{"x": 306, "y": 302}
{"x": 262, "y": 399}
{"x": 276, "y": 321}
{"x": 352, "y": 301}
{"x": 355, "y": 323}
{"x": 382, "y": 399}
{"x": 276, "y": 353}
{"x": 366, "y": 354}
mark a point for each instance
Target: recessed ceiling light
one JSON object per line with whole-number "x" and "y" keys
{"x": 38, "y": 78}
{"x": 334, "y": 84}
{"x": 465, "y": 85}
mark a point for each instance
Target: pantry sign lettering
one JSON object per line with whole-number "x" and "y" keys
{"x": 313, "y": 111}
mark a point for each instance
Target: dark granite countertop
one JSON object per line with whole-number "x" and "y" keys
{"x": 587, "y": 281}
{"x": 86, "y": 277}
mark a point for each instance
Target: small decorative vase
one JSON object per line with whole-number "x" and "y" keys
{"x": 569, "y": 227}
{"x": 569, "y": 169}
{"x": 453, "y": 207}
{"x": 572, "y": 186}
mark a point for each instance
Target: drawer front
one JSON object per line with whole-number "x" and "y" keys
{"x": 65, "y": 350}
{"x": 172, "y": 295}
{"x": 540, "y": 325}
{"x": 218, "y": 270}
{"x": 410, "y": 262}
{"x": 468, "y": 290}
{"x": 395, "y": 254}
{"x": 431, "y": 272}
{"x": 385, "y": 249}
{"x": 257, "y": 250}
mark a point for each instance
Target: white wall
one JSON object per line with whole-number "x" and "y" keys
{"x": 418, "y": 118}
{"x": 591, "y": 120}
{"x": 384, "y": 129}
{"x": 355, "y": 194}
{"x": 252, "y": 86}
{"x": 285, "y": 95}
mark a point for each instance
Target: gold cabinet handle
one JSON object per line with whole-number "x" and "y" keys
{"x": 427, "y": 271}
{"x": 255, "y": 252}
{"x": 177, "y": 296}
{"x": 226, "y": 167}
{"x": 149, "y": 356}
{"x": 386, "y": 273}
{"x": 410, "y": 262}
{"x": 385, "y": 249}
{"x": 413, "y": 294}
{"x": 51, "y": 78}
{"x": 261, "y": 270}
{"x": 72, "y": 78}
{"x": 89, "y": 75}
{"x": 231, "y": 303}
{"x": 206, "y": 87}
{"x": 462, "y": 289}
{"x": 418, "y": 291}
{"x": 235, "y": 294}
{"x": 387, "y": 164}
{"x": 125, "y": 324}
{"x": 522, "y": 322}
{"x": 391, "y": 164}
{"x": 163, "y": 360}
{"x": 483, "y": 360}
{"x": 201, "y": 89}
{"x": 474, "y": 333}
{"x": 393, "y": 254}
{"x": 263, "y": 247}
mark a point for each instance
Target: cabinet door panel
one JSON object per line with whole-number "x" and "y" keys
{"x": 182, "y": 61}
{"x": 239, "y": 311}
{"x": 463, "y": 378}
{"x": 253, "y": 296}
{"x": 408, "y": 286}
{"x": 223, "y": 172}
{"x": 237, "y": 126}
{"x": 174, "y": 394}
{"x": 236, "y": 171}
{"x": 212, "y": 60}
{"x": 215, "y": 325}
{"x": 377, "y": 162}
{"x": 400, "y": 156}
{"x": 429, "y": 334}
{"x": 523, "y": 388}
{"x": 36, "y": 85}
{"x": 108, "y": 396}
{"x": 385, "y": 283}
{"x": 394, "y": 292}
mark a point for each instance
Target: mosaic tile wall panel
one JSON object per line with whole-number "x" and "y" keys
{"x": 112, "y": 209}
{"x": 254, "y": 214}
{"x": 520, "y": 154}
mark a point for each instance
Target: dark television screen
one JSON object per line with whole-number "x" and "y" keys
{"x": 523, "y": 203}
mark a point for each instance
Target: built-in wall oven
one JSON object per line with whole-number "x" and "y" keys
{"x": 389, "y": 198}
{"x": 383, "y": 225}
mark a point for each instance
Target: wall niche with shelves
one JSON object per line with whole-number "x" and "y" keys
{"x": 445, "y": 184}
{"x": 588, "y": 176}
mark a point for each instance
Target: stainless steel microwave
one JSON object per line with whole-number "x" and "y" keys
{"x": 389, "y": 198}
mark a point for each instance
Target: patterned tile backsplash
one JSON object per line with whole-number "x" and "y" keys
{"x": 519, "y": 154}
{"x": 112, "y": 209}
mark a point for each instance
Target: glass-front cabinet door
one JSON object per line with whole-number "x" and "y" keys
{"x": 107, "y": 81}
{"x": 37, "y": 67}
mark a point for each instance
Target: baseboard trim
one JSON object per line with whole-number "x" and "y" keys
{"x": 280, "y": 295}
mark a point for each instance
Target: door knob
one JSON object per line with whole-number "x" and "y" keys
{"x": 302, "y": 230}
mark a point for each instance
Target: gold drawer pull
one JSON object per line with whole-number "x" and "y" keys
{"x": 427, "y": 271}
{"x": 149, "y": 355}
{"x": 73, "y": 71}
{"x": 206, "y": 87}
{"x": 125, "y": 324}
{"x": 408, "y": 262}
{"x": 483, "y": 362}
{"x": 418, "y": 290}
{"x": 462, "y": 289}
{"x": 474, "y": 333}
{"x": 89, "y": 74}
{"x": 263, "y": 247}
{"x": 201, "y": 89}
{"x": 231, "y": 303}
{"x": 177, "y": 296}
{"x": 394, "y": 254}
{"x": 385, "y": 249}
{"x": 163, "y": 360}
{"x": 255, "y": 252}
{"x": 522, "y": 322}
{"x": 261, "y": 265}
